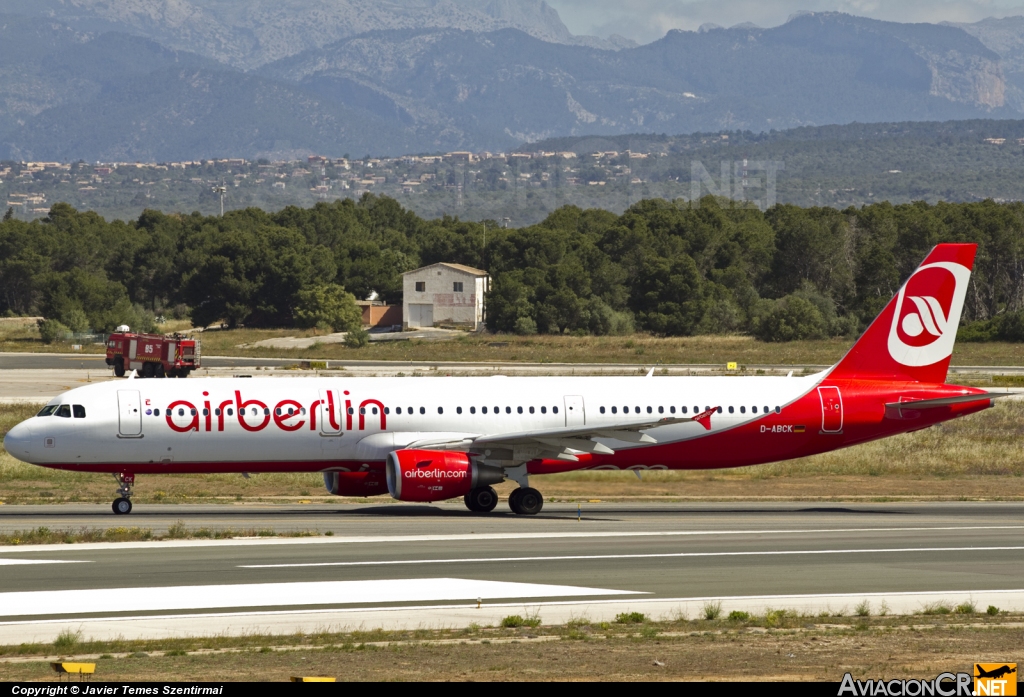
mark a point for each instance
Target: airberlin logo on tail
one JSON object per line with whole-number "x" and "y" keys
{"x": 928, "y": 313}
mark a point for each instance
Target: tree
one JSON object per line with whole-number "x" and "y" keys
{"x": 9, "y": 214}
{"x": 328, "y": 303}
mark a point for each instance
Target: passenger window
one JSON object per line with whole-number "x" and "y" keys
{"x": 64, "y": 411}
{"x": 472, "y": 410}
{"x": 531, "y": 410}
{"x": 615, "y": 410}
{"x": 554, "y": 410}
{"x": 650, "y": 410}
{"x": 543, "y": 410}
{"x": 483, "y": 410}
{"x": 362, "y": 410}
{"x": 423, "y": 410}
{"x": 181, "y": 412}
{"x": 374, "y": 410}
{"x": 47, "y": 410}
{"x": 766, "y": 410}
{"x": 778, "y": 410}
{"x": 206, "y": 412}
{"x": 398, "y": 410}
{"x": 409, "y": 410}
{"x": 440, "y": 410}
{"x": 661, "y": 410}
{"x": 278, "y": 411}
{"x": 156, "y": 412}
{"x": 719, "y": 409}
{"x": 266, "y": 411}
{"x": 458, "y": 410}
{"x": 743, "y": 410}
{"x": 231, "y": 412}
{"x": 519, "y": 410}
{"x": 497, "y": 410}
{"x": 637, "y": 409}
{"x": 508, "y": 410}
{"x": 673, "y": 409}
{"x": 602, "y": 410}
{"x": 216, "y": 412}
{"x": 193, "y": 412}
{"x": 79, "y": 411}
{"x": 387, "y": 410}
{"x": 351, "y": 410}
{"x": 731, "y": 410}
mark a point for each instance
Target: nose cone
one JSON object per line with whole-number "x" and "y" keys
{"x": 18, "y": 442}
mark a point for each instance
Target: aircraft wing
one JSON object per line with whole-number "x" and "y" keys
{"x": 557, "y": 442}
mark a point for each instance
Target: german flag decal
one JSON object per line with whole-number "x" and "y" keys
{"x": 799, "y": 429}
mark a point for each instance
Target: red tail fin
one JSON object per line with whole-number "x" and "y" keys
{"x": 913, "y": 337}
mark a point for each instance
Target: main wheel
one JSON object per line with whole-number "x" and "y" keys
{"x": 122, "y": 506}
{"x": 482, "y": 500}
{"x": 147, "y": 370}
{"x": 172, "y": 373}
{"x": 183, "y": 372}
{"x": 526, "y": 501}
{"x": 119, "y": 369}
{"x": 158, "y": 371}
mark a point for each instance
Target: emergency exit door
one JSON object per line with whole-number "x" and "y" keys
{"x": 574, "y": 413}
{"x": 831, "y": 410}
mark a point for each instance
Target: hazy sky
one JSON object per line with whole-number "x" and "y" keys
{"x": 647, "y": 20}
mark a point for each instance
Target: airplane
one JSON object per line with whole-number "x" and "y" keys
{"x": 432, "y": 439}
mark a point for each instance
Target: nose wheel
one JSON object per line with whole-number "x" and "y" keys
{"x": 123, "y": 503}
{"x": 525, "y": 501}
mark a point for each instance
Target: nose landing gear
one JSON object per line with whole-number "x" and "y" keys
{"x": 123, "y": 504}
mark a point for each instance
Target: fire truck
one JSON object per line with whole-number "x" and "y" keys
{"x": 152, "y": 355}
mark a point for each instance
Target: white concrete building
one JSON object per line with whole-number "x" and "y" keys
{"x": 442, "y": 294}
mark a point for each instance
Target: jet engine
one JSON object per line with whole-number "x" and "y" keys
{"x": 431, "y": 475}
{"x": 355, "y": 483}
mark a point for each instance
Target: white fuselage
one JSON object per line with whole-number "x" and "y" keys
{"x": 288, "y": 424}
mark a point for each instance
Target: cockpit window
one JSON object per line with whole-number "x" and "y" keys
{"x": 47, "y": 410}
{"x": 64, "y": 411}
{"x": 79, "y": 411}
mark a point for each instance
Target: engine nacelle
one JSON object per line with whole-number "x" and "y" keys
{"x": 355, "y": 483}
{"x": 432, "y": 475}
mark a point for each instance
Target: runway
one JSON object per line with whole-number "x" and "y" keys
{"x": 401, "y": 566}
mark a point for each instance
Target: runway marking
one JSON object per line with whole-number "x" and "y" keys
{"x": 76, "y": 602}
{"x": 662, "y": 555}
{"x": 21, "y": 562}
{"x": 463, "y": 537}
{"x": 774, "y": 600}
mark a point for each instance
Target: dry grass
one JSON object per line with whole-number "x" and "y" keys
{"x": 977, "y": 457}
{"x": 778, "y": 645}
{"x": 640, "y": 349}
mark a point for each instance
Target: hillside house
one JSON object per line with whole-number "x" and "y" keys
{"x": 444, "y": 294}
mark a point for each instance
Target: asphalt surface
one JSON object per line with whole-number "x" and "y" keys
{"x": 417, "y": 560}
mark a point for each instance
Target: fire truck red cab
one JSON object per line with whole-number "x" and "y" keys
{"x": 152, "y": 355}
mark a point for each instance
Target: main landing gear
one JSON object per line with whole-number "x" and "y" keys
{"x": 123, "y": 504}
{"x": 525, "y": 501}
{"x": 481, "y": 500}
{"x": 522, "y": 501}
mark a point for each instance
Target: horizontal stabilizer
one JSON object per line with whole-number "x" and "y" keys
{"x": 948, "y": 401}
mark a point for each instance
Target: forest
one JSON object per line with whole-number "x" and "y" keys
{"x": 663, "y": 268}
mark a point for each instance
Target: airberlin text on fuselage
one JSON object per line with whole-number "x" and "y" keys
{"x": 255, "y": 415}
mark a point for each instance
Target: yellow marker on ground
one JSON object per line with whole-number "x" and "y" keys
{"x": 731, "y": 365}
{"x": 69, "y": 669}
{"x": 313, "y": 679}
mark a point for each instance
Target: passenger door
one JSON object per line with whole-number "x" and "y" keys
{"x": 129, "y": 413}
{"x": 330, "y": 416}
{"x": 831, "y": 409}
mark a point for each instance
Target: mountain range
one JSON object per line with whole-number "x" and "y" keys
{"x": 188, "y": 79}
